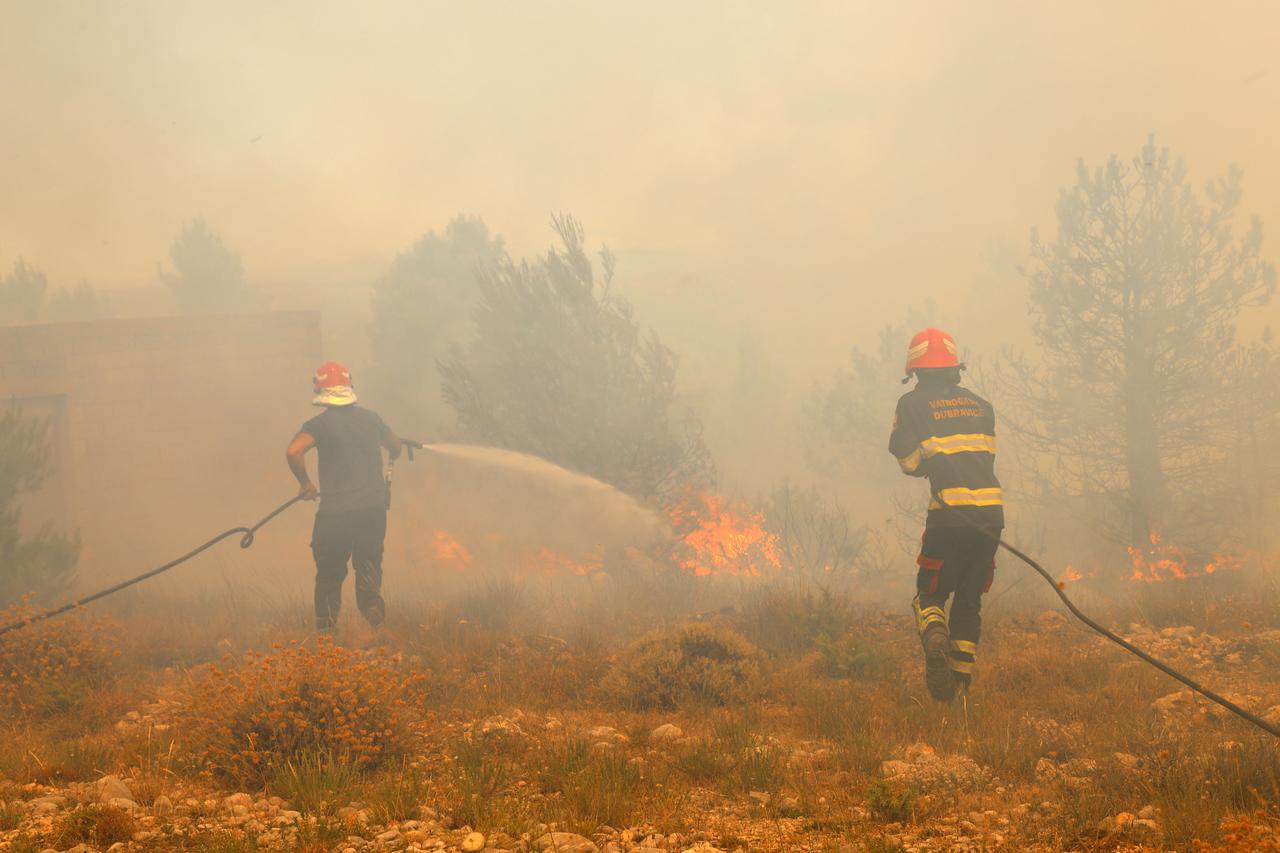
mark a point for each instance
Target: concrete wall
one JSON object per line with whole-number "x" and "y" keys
{"x": 167, "y": 429}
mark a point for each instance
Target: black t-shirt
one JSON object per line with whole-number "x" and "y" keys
{"x": 349, "y": 442}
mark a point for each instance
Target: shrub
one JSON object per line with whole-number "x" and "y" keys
{"x": 47, "y": 668}
{"x": 787, "y": 620}
{"x": 849, "y": 657}
{"x": 891, "y": 802}
{"x": 99, "y": 825}
{"x": 315, "y": 782}
{"x": 591, "y": 789}
{"x": 247, "y": 724}
{"x": 698, "y": 663}
{"x": 479, "y": 777}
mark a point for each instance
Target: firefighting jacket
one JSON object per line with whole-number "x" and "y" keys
{"x": 948, "y": 434}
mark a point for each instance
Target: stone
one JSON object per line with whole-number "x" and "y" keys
{"x": 665, "y": 733}
{"x": 473, "y": 842}
{"x": 608, "y": 733}
{"x": 238, "y": 799}
{"x": 112, "y": 787}
{"x": 565, "y": 842}
{"x": 388, "y": 836}
{"x": 761, "y": 797}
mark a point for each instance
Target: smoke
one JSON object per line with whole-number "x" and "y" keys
{"x": 780, "y": 182}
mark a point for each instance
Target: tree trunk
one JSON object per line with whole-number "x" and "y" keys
{"x": 1146, "y": 472}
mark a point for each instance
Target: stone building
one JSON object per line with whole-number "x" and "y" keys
{"x": 163, "y": 430}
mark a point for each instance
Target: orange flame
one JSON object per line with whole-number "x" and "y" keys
{"x": 449, "y": 551}
{"x": 721, "y": 539}
{"x": 1070, "y": 575}
{"x": 1163, "y": 561}
{"x": 545, "y": 561}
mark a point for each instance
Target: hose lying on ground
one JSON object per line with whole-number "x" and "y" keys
{"x": 1267, "y": 727}
{"x": 246, "y": 541}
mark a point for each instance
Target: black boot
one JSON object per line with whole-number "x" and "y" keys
{"x": 937, "y": 669}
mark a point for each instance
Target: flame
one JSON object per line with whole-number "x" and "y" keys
{"x": 723, "y": 539}
{"x": 546, "y": 561}
{"x": 1163, "y": 561}
{"x": 1070, "y": 575}
{"x": 449, "y": 551}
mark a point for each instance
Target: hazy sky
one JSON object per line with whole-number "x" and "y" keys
{"x": 827, "y": 163}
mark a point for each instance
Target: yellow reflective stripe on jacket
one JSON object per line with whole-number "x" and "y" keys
{"x": 963, "y": 443}
{"x": 969, "y": 497}
{"x": 911, "y": 462}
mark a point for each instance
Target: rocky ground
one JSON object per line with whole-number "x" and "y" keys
{"x": 838, "y": 751}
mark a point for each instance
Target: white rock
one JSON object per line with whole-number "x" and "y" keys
{"x": 473, "y": 842}
{"x": 238, "y": 799}
{"x": 565, "y": 842}
{"x": 666, "y": 732}
{"x": 110, "y": 788}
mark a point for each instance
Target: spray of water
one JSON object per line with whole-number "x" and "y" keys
{"x": 490, "y": 495}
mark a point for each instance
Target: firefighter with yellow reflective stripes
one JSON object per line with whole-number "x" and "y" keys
{"x": 945, "y": 432}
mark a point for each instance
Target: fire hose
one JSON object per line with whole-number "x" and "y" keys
{"x": 246, "y": 541}
{"x": 1244, "y": 714}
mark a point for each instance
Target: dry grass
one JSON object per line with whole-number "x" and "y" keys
{"x": 273, "y": 712}
{"x": 789, "y": 708}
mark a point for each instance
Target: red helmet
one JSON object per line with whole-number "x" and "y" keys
{"x": 931, "y": 348}
{"x": 331, "y": 374}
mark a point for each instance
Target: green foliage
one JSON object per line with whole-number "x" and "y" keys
{"x": 101, "y": 826}
{"x": 207, "y": 277}
{"x": 480, "y": 776}
{"x": 316, "y": 782}
{"x": 735, "y": 758}
{"x": 36, "y": 564}
{"x": 593, "y": 788}
{"x": 25, "y": 298}
{"x": 789, "y": 620}
{"x": 10, "y": 816}
{"x": 81, "y": 303}
{"x": 560, "y": 368}
{"x": 891, "y": 802}
{"x": 22, "y": 294}
{"x": 399, "y": 794}
{"x": 1138, "y": 392}
{"x": 849, "y": 657}
{"x": 699, "y": 664}
{"x": 422, "y": 307}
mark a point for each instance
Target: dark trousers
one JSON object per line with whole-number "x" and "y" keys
{"x": 957, "y": 561}
{"x": 356, "y": 536}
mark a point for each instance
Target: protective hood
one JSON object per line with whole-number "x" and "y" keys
{"x": 338, "y": 395}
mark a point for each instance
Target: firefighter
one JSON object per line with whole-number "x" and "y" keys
{"x": 351, "y": 521}
{"x": 946, "y": 433}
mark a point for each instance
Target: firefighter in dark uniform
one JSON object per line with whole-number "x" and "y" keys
{"x": 351, "y": 522}
{"x": 946, "y": 433}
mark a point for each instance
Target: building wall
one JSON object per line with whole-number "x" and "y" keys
{"x": 167, "y": 429}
